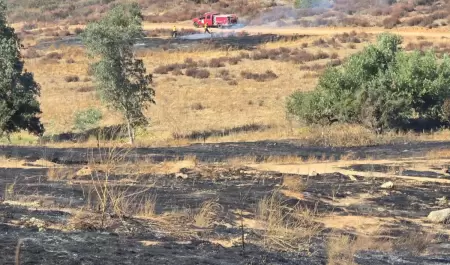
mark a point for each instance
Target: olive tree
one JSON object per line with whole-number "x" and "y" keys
{"x": 381, "y": 87}
{"x": 120, "y": 78}
{"x": 19, "y": 106}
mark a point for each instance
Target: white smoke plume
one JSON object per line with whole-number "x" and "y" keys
{"x": 215, "y": 33}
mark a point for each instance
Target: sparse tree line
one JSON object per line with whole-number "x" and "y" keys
{"x": 120, "y": 78}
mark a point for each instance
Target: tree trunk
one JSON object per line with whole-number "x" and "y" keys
{"x": 130, "y": 131}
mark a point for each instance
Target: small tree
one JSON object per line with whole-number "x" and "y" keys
{"x": 87, "y": 119}
{"x": 381, "y": 87}
{"x": 19, "y": 107}
{"x": 121, "y": 78}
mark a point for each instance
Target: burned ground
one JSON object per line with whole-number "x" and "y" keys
{"x": 44, "y": 211}
{"x": 189, "y": 42}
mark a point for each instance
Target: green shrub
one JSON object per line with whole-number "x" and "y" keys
{"x": 311, "y": 3}
{"x": 87, "y": 119}
{"x": 381, "y": 87}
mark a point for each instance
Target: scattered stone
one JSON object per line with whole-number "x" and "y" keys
{"x": 34, "y": 222}
{"x": 313, "y": 174}
{"x": 352, "y": 178}
{"x": 442, "y": 201}
{"x": 181, "y": 175}
{"x": 387, "y": 185}
{"x": 441, "y": 216}
{"x": 85, "y": 171}
{"x": 185, "y": 170}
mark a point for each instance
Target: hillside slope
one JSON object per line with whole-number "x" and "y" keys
{"x": 359, "y": 13}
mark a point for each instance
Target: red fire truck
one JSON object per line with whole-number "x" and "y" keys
{"x": 215, "y": 20}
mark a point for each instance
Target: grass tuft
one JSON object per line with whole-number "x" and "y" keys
{"x": 207, "y": 213}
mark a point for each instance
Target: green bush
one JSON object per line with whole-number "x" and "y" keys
{"x": 87, "y": 119}
{"x": 311, "y": 3}
{"x": 381, "y": 87}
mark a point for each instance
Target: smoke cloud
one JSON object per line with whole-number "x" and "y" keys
{"x": 215, "y": 33}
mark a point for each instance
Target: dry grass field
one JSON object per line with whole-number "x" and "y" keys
{"x": 230, "y": 103}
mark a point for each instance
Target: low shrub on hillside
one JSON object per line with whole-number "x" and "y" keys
{"x": 224, "y": 74}
{"x": 391, "y": 21}
{"x": 422, "y": 45}
{"x": 268, "y": 75}
{"x": 71, "y": 78}
{"x": 53, "y": 56}
{"x": 165, "y": 69}
{"x": 381, "y": 87}
{"x": 321, "y": 55}
{"x": 320, "y": 43}
{"x": 313, "y": 67}
{"x": 234, "y": 60}
{"x": 197, "y": 73}
{"x": 217, "y": 62}
{"x": 356, "y": 22}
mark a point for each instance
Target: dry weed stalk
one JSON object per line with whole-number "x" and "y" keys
{"x": 84, "y": 221}
{"x": 147, "y": 206}
{"x": 437, "y": 154}
{"x": 207, "y": 213}
{"x": 293, "y": 183}
{"x": 286, "y": 228}
{"x": 121, "y": 200}
{"x": 414, "y": 242}
{"x": 17, "y": 256}
{"x": 10, "y": 190}
{"x": 290, "y": 159}
{"x": 342, "y": 248}
{"x": 59, "y": 173}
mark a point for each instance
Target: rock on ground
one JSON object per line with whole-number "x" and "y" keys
{"x": 387, "y": 185}
{"x": 441, "y": 216}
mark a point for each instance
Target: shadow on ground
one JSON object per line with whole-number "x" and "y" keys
{"x": 224, "y": 151}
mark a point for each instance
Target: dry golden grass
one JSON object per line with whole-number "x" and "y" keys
{"x": 147, "y": 206}
{"x": 283, "y": 159}
{"x": 286, "y": 228}
{"x": 293, "y": 183}
{"x": 341, "y": 249}
{"x": 60, "y": 173}
{"x": 437, "y": 154}
{"x": 207, "y": 213}
{"x": 415, "y": 242}
{"x": 6, "y": 162}
{"x": 85, "y": 221}
{"x": 224, "y": 106}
